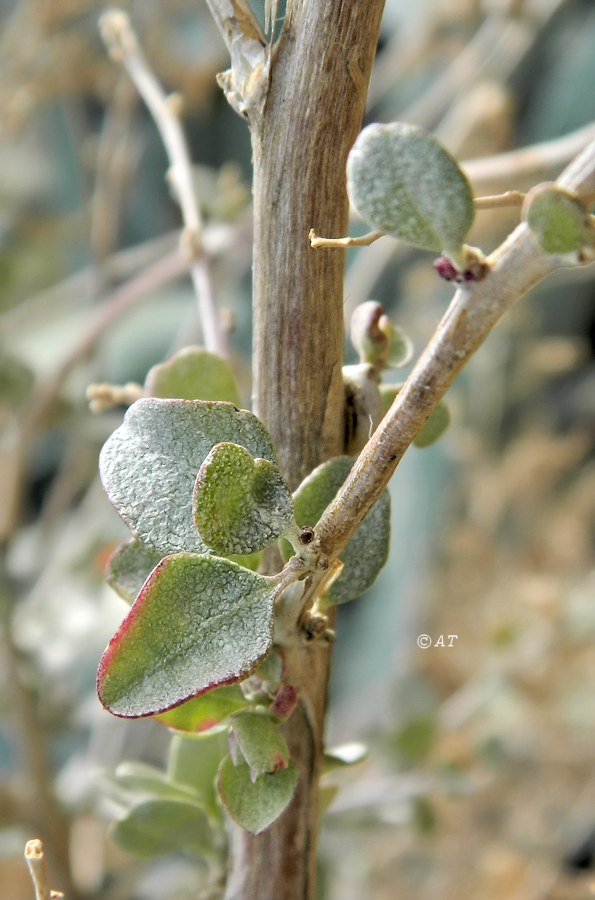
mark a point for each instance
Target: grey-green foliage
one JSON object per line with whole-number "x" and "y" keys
{"x": 367, "y": 551}
{"x": 403, "y": 182}
{"x": 149, "y": 464}
{"x": 558, "y": 220}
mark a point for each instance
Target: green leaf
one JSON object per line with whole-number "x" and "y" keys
{"x": 558, "y": 220}
{"x": 400, "y": 348}
{"x": 163, "y": 826}
{"x": 367, "y": 551}
{"x": 149, "y": 464}
{"x": 435, "y": 425}
{"x": 193, "y": 374}
{"x": 140, "y": 781}
{"x": 388, "y": 392}
{"x": 193, "y": 764}
{"x": 128, "y": 568}
{"x": 376, "y": 339}
{"x": 255, "y": 805}
{"x": 205, "y": 712}
{"x": 403, "y": 182}
{"x": 198, "y": 622}
{"x": 260, "y": 742}
{"x": 241, "y": 504}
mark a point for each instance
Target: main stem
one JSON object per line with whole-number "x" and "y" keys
{"x": 312, "y": 115}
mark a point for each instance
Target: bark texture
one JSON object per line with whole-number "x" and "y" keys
{"x": 313, "y": 113}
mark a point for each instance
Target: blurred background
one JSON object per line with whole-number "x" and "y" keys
{"x": 480, "y": 781}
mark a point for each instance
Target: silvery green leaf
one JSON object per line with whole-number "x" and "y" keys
{"x": 403, "y": 182}
{"x": 149, "y": 464}
{"x": 559, "y": 222}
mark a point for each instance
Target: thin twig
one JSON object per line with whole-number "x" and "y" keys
{"x": 496, "y": 201}
{"x": 124, "y": 48}
{"x": 35, "y": 860}
{"x": 525, "y": 166}
{"x": 365, "y": 240}
{"x": 516, "y": 266}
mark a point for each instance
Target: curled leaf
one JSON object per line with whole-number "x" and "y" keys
{"x": 198, "y": 622}
{"x": 241, "y": 504}
{"x": 403, "y": 182}
{"x": 260, "y": 742}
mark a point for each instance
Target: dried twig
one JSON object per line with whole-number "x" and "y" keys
{"x": 35, "y": 860}
{"x": 124, "y": 48}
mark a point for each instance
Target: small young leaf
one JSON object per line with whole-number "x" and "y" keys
{"x": 198, "y": 622}
{"x": 205, "y": 712}
{"x": 241, "y": 504}
{"x": 149, "y": 464}
{"x": 128, "y": 568}
{"x": 260, "y": 742}
{"x": 435, "y": 425}
{"x": 156, "y": 827}
{"x": 400, "y": 348}
{"x": 193, "y": 374}
{"x": 367, "y": 551}
{"x": 403, "y": 182}
{"x": 255, "y": 805}
{"x": 376, "y": 339}
{"x": 558, "y": 220}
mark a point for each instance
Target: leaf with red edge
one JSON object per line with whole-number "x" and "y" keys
{"x": 197, "y": 623}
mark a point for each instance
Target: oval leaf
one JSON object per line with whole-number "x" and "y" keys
{"x": 255, "y": 805}
{"x": 241, "y": 504}
{"x": 149, "y": 464}
{"x": 558, "y": 220}
{"x": 198, "y": 622}
{"x": 260, "y": 742}
{"x": 403, "y": 182}
{"x": 163, "y": 826}
{"x": 128, "y": 568}
{"x": 367, "y": 551}
{"x": 193, "y": 374}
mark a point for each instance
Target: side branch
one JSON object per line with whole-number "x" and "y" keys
{"x": 515, "y": 267}
{"x": 124, "y": 48}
